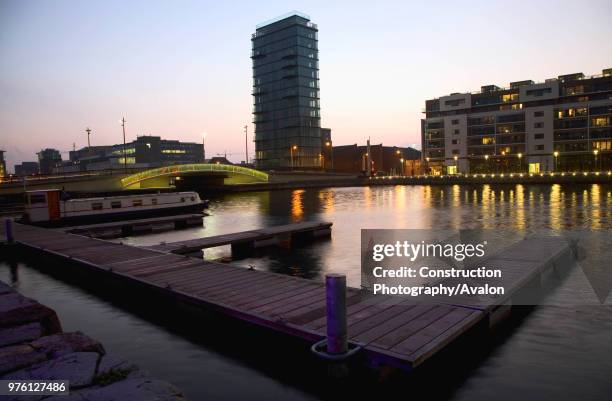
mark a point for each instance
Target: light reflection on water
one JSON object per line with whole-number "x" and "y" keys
{"x": 560, "y": 353}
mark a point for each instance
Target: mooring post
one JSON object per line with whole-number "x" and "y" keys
{"x": 8, "y": 230}
{"x": 335, "y": 288}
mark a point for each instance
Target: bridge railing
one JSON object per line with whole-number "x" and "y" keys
{"x": 189, "y": 168}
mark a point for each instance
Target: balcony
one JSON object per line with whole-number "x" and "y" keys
{"x": 257, "y": 54}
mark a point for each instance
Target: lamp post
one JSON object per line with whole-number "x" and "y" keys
{"x": 595, "y": 152}
{"x": 331, "y": 153}
{"x": 294, "y": 147}
{"x": 487, "y": 163}
{"x": 427, "y": 165}
{"x": 124, "y": 150}
{"x": 456, "y": 167}
{"x": 556, "y": 154}
{"x": 88, "y": 131}
{"x": 520, "y": 156}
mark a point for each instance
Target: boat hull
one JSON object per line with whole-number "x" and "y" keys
{"x": 123, "y": 215}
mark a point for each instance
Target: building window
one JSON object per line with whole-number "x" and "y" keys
{"x": 488, "y": 140}
{"x": 538, "y": 136}
{"x": 538, "y": 125}
{"x": 456, "y": 132}
{"x": 455, "y": 141}
{"x": 510, "y": 97}
{"x": 600, "y": 121}
{"x": 539, "y": 147}
{"x": 455, "y": 122}
{"x": 538, "y": 92}
{"x": 451, "y": 170}
{"x": 538, "y": 114}
{"x": 534, "y": 168}
{"x": 455, "y": 151}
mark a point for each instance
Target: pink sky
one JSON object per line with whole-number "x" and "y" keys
{"x": 180, "y": 69}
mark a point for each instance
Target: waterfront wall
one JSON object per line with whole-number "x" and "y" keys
{"x": 34, "y": 347}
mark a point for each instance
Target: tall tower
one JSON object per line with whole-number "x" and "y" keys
{"x": 286, "y": 109}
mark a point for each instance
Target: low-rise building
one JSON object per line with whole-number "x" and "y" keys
{"x": 26, "y": 168}
{"x": 144, "y": 152}
{"x": 391, "y": 160}
{"x": 48, "y": 160}
{"x": 561, "y": 124}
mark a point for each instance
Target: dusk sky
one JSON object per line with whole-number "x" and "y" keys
{"x": 180, "y": 68}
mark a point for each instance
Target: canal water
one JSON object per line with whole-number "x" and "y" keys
{"x": 555, "y": 353}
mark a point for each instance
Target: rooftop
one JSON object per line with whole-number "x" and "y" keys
{"x": 514, "y": 85}
{"x": 282, "y": 17}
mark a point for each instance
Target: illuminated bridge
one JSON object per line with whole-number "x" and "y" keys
{"x": 202, "y": 173}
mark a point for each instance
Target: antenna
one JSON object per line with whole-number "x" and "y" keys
{"x": 246, "y": 144}
{"x": 88, "y": 133}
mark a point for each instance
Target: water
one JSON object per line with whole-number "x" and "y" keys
{"x": 557, "y": 352}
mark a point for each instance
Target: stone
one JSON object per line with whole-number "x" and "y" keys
{"x": 16, "y": 357}
{"x": 79, "y": 368}
{"x": 140, "y": 389}
{"x": 15, "y": 310}
{"x": 66, "y": 343}
{"x": 5, "y": 288}
{"x": 111, "y": 362}
{"x": 20, "y": 334}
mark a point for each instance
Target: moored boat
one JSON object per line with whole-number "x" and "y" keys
{"x": 49, "y": 207}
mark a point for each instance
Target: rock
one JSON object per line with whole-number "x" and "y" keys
{"x": 20, "y": 334}
{"x": 5, "y": 288}
{"x": 66, "y": 343}
{"x": 19, "y": 356}
{"x": 15, "y": 310}
{"x": 111, "y": 362}
{"x": 141, "y": 389}
{"x": 78, "y": 368}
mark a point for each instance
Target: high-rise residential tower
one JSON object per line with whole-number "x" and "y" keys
{"x": 286, "y": 94}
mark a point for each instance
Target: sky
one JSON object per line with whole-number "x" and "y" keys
{"x": 179, "y": 69}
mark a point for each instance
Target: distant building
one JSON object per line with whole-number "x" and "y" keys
{"x": 144, "y": 152}
{"x": 286, "y": 109}
{"x": 562, "y": 124}
{"x": 48, "y": 159}
{"x": 3, "y": 172}
{"x": 219, "y": 160}
{"x": 26, "y": 168}
{"x": 391, "y": 160}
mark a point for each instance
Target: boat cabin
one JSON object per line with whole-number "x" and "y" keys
{"x": 43, "y": 205}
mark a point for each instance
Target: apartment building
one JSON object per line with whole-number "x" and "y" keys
{"x": 561, "y": 124}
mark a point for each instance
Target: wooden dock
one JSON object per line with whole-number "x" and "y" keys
{"x": 248, "y": 239}
{"x": 123, "y": 228}
{"x": 395, "y": 333}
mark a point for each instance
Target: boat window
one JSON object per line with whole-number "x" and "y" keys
{"x": 37, "y": 199}
{"x": 193, "y": 198}
{"x": 137, "y": 202}
{"x": 96, "y": 206}
{"x": 154, "y": 201}
{"x": 182, "y": 199}
{"x": 116, "y": 204}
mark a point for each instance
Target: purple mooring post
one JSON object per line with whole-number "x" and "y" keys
{"x": 335, "y": 288}
{"x": 8, "y": 230}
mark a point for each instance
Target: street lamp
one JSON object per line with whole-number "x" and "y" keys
{"x": 520, "y": 156}
{"x": 331, "y": 153}
{"x": 427, "y": 165}
{"x": 595, "y": 152}
{"x": 556, "y": 154}
{"x": 294, "y": 147}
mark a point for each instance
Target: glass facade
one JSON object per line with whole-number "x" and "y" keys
{"x": 286, "y": 108}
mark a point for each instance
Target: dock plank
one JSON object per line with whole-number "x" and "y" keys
{"x": 390, "y": 328}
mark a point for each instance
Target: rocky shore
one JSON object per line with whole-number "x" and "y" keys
{"x": 34, "y": 347}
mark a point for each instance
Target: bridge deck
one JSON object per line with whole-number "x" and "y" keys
{"x": 394, "y": 332}
{"x": 244, "y": 237}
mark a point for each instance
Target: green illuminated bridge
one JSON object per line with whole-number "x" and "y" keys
{"x": 230, "y": 174}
